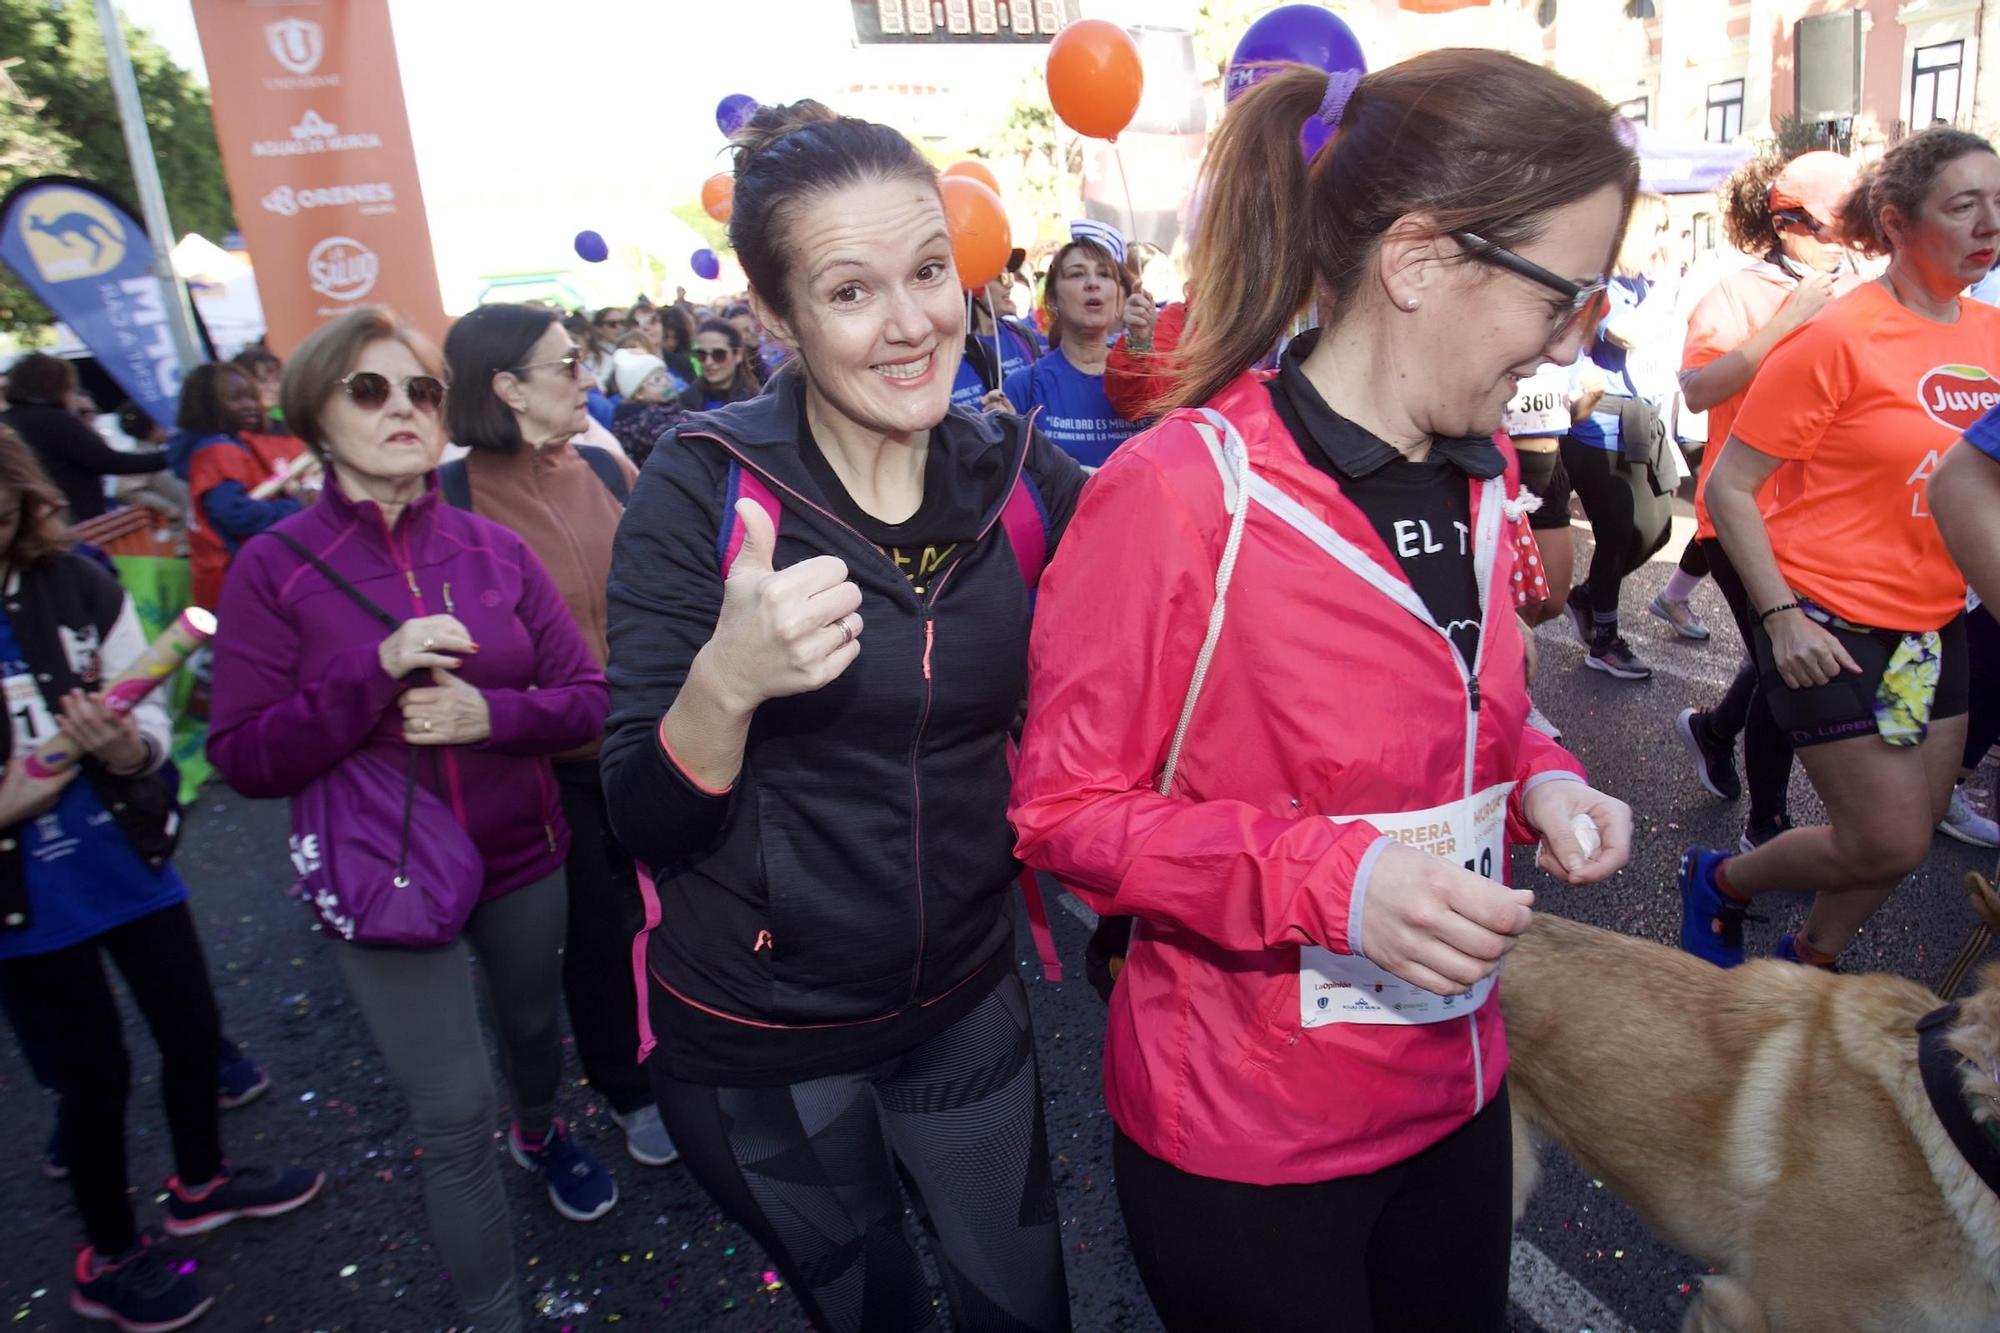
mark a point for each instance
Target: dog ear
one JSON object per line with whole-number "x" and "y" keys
{"x": 1984, "y": 900}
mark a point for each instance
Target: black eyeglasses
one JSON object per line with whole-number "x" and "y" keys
{"x": 1798, "y": 217}
{"x": 714, "y": 355}
{"x": 368, "y": 390}
{"x": 572, "y": 365}
{"x": 1588, "y": 302}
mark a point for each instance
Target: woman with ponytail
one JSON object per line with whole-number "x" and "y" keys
{"x": 819, "y": 603}
{"x": 1859, "y": 632}
{"x": 1306, "y": 806}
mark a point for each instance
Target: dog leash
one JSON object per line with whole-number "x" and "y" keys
{"x": 1976, "y": 943}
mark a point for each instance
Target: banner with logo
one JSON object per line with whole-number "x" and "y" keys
{"x": 308, "y": 103}
{"x": 80, "y": 251}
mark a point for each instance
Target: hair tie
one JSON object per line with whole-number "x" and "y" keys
{"x": 1340, "y": 86}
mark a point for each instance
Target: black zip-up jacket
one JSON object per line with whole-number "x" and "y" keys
{"x": 66, "y": 612}
{"x": 855, "y": 874}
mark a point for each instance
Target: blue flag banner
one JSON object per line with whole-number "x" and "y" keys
{"x": 79, "y": 250}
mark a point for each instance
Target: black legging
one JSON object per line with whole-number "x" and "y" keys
{"x": 1982, "y": 650}
{"x": 1418, "y": 1247}
{"x": 958, "y": 1118}
{"x": 1767, "y": 750}
{"x": 62, "y": 1003}
{"x": 1607, "y": 502}
{"x": 1694, "y": 560}
{"x": 597, "y": 948}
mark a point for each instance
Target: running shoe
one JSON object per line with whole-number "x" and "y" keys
{"x": 1966, "y": 824}
{"x": 1760, "y": 831}
{"x": 242, "y": 1191}
{"x": 1714, "y": 762}
{"x": 1577, "y": 607}
{"x": 1786, "y": 950}
{"x": 1711, "y": 922}
{"x": 139, "y": 1291}
{"x": 1680, "y": 616}
{"x": 55, "y": 1161}
{"x": 579, "y": 1185}
{"x": 238, "y": 1079}
{"x": 1610, "y": 654}
{"x": 646, "y": 1137}
{"x": 1540, "y": 722}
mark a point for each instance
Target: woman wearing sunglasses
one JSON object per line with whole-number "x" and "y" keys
{"x": 1784, "y": 213}
{"x": 489, "y": 677}
{"x": 1860, "y": 611}
{"x": 518, "y": 410}
{"x": 224, "y": 454}
{"x": 1307, "y": 806}
{"x": 727, "y": 375}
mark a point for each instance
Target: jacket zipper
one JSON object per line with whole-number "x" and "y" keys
{"x": 406, "y": 565}
{"x": 1472, "y": 702}
{"x": 926, "y": 608}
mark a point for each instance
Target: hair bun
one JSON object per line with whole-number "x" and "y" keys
{"x": 772, "y": 123}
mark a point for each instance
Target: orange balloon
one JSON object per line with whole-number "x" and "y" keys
{"x": 718, "y": 196}
{"x": 980, "y": 237}
{"x": 1095, "y": 78}
{"x": 975, "y": 170}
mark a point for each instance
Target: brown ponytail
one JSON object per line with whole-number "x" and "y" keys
{"x": 1476, "y": 140}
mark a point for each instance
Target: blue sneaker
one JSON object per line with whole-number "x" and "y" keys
{"x": 237, "y": 1078}
{"x": 243, "y": 1191}
{"x": 1786, "y": 950}
{"x": 139, "y": 1291}
{"x": 579, "y": 1185}
{"x": 1711, "y": 923}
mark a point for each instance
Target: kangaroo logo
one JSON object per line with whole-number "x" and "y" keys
{"x": 297, "y": 44}
{"x": 72, "y": 235}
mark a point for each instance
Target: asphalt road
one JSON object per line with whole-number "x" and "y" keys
{"x": 357, "y": 1259}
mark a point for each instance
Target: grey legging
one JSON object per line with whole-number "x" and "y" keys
{"x": 422, "y": 1012}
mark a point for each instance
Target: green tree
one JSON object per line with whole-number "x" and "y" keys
{"x": 58, "y": 115}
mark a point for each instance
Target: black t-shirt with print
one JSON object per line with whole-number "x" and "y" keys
{"x": 922, "y": 545}
{"x": 1421, "y": 510}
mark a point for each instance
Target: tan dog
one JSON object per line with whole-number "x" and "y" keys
{"x": 1770, "y": 1121}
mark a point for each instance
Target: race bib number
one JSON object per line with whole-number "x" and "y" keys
{"x": 29, "y": 714}
{"x": 1340, "y": 988}
{"x": 1540, "y": 406}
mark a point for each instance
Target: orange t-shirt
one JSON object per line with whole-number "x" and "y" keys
{"x": 1861, "y": 402}
{"x": 1729, "y": 316}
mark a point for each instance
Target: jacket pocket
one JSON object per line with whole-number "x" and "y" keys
{"x": 1273, "y": 1027}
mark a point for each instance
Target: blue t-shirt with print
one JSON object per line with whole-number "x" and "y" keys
{"x": 1600, "y": 429}
{"x": 1015, "y": 354}
{"x": 83, "y": 877}
{"x": 1075, "y": 412}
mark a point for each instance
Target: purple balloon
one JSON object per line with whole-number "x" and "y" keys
{"x": 1301, "y": 34}
{"x": 590, "y": 247}
{"x": 705, "y": 265}
{"x": 733, "y": 112}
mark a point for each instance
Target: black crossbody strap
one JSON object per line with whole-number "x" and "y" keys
{"x": 360, "y": 598}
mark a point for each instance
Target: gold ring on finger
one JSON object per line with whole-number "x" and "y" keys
{"x": 429, "y": 644}
{"x": 427, "y": 725}
{"x": 846, "y": 631}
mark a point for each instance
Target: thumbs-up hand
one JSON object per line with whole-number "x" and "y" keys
{"x": 782, "y": 632}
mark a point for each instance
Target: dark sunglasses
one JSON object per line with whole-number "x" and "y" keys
{"x": 714, "y": 355}
{"x": 572, "y": 365}
{"x": 1588, "y": 301}
{"x": 1798, "y": 217}
{"x": 366, "y": 389}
